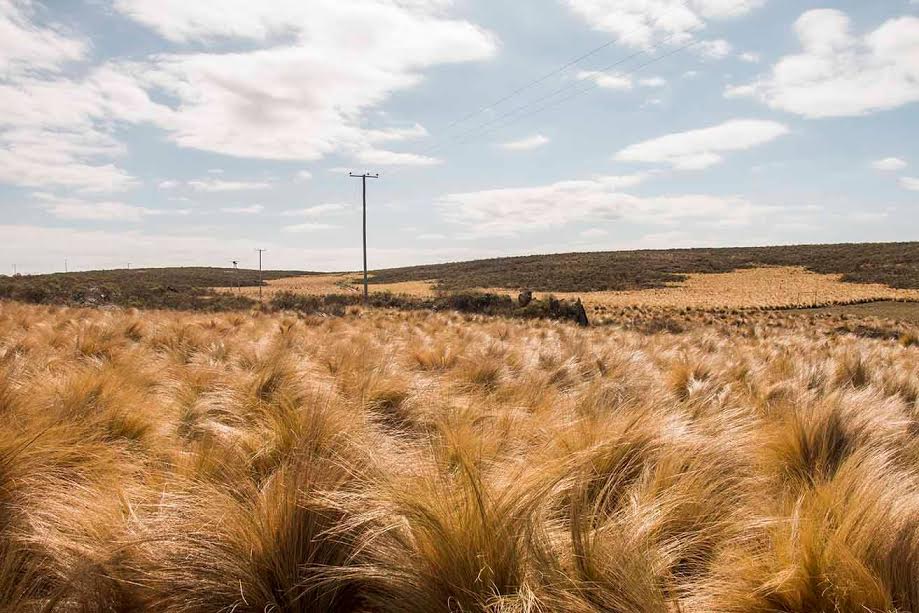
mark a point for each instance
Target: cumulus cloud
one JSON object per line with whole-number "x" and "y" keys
{"x": 292, "y": 81}
{"x": 304, "y": 94}
{"x": 890, "y": 164}
{"x": 698, "y": 149}
{"x": 525, "y": 144}
{"x": 642, "y": 23}
{"x": 840, "y": 74}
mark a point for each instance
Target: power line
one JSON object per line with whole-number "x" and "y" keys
{"x": 565, "y": 67}
{"x": 565, "y": 88}
{"x": 457, "y": 138}
{"x": 577, "y": 93}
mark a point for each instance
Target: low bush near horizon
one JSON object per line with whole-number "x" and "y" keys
{"x": 415, "y": 462}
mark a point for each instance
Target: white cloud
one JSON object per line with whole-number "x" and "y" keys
{"x": 839, "y": 74}
{"x": 750, "y": 57}
{"x": 594, "y": 233}
{"x": 607, "y": 80}
{"x": 217, "y": 185}
{"x": 27, "y": 47}
{"x": 308, "y": 227}
{"x": 304, "y": 95}
{"x": 891, "y": 164}
{"x": 698, "y": 149}
{"x": 304, "y": 175}
{"x": 382, "y": 157}
{"x": 511, "y": 211}
{"x": 652, "y": 82}
{"x": 75, "y": 209}
{"x": 432, "y": 236}
{"x": 168, "y": 184}
{"x": 316, "y": 210}
{"x": 253, "y": 209}
{"x": 641, "y": 23}
{"x": 37, "y": 157}
{"x": 505, "y": 212}
{"x": 525, "y": 144}
{"x": 910, "y": 183}
{"x": 714, "y": 49}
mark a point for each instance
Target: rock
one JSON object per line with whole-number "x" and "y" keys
{"x": 525, "y": 298}
{"x": 581, "y": 314}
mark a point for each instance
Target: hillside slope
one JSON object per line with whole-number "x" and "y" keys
{"x": 893, "y": 264}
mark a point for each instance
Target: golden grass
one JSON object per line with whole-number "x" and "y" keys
{"x": 416, "y": 462}
{"x": 767, "y": 287}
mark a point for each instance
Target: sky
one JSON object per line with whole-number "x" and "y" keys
{"x": 176, "y": 132}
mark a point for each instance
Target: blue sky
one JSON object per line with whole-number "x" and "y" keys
{"x": 171, "y": 132}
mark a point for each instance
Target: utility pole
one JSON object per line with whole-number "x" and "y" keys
{"x": 236, "y": 274}
{"x": 364, "y": 178}
{"x": 65, "y": 265}
{"x": 260, "y": 251}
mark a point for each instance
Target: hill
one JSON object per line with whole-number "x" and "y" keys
{"x": 892, "y": 264}
{"x": 170, "y": 288}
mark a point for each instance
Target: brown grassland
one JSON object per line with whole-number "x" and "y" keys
{"x": 417, "y": 462}
{"x": 763, "y": 287}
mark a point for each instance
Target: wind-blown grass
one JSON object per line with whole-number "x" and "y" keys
{"x": 388, "y": 461}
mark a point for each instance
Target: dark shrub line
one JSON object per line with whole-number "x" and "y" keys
{"x": 481, "y": 303}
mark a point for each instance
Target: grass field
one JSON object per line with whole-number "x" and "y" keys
{"x": 773, "y": 287}
{"x": 420, "y": 462}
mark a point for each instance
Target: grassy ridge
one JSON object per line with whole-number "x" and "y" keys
{"x": 162, "y": 288}
{"x": 892, "y": 264}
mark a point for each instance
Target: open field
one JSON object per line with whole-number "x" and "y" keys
{"x": 420, "y": 462}
{"x": 773, "y": 287}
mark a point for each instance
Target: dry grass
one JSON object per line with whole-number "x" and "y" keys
{"x": 324, "y": 284}
{"x": 769, "y": 287}
{"x": 416, "y": 462}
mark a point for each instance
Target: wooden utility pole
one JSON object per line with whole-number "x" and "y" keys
{"x": 236, "y": 274}
{"x": 260, "y": 252}
{"x": 363, "y": 179}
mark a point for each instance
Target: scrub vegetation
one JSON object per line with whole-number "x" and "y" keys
{"x": 893, "y": 264}
{"x": 391, "y": 461}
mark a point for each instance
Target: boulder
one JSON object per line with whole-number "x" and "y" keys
{"x": 525, "y": 298}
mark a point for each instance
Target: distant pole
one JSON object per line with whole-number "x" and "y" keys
{"x": 260, "y": 251}
{"x": 65, "y": 265}
{"x": 363, "y": 178}
{"x": 236, "y": 274}
{"x": 129, "y": 266}
{"x": 15, "y": 272}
